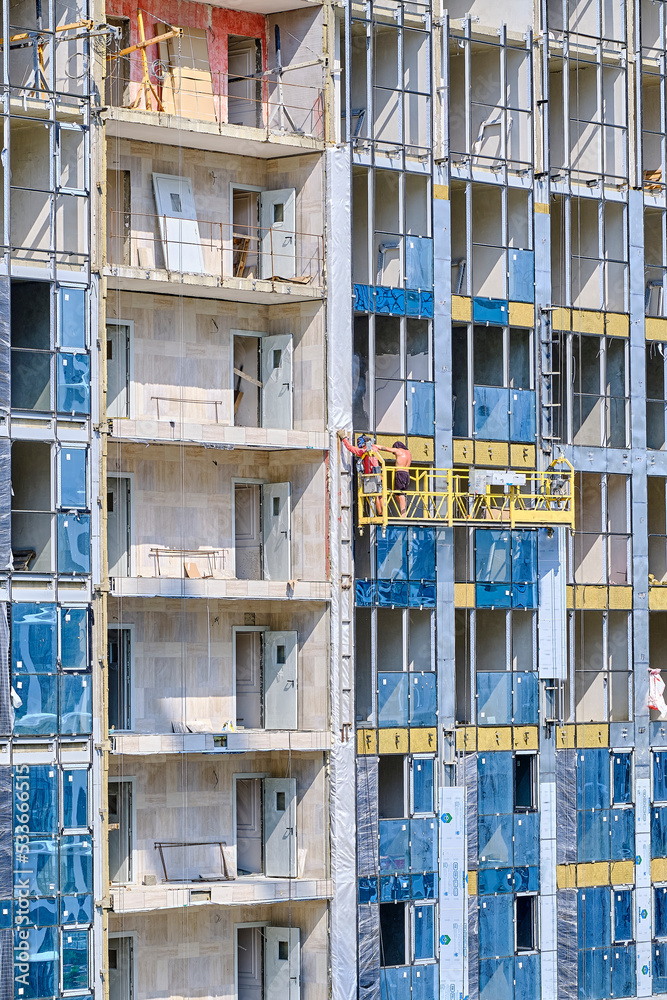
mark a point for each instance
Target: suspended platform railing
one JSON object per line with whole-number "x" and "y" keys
{"x": 466, "y": 496}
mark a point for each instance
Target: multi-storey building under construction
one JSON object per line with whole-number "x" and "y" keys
{"x": 333, "y": 509}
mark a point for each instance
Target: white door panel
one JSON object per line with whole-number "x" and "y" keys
{"x": 118, "y": 370}
{"x": 280, "y": 678}
{"x": 280, "y": 859}
{"x": 179, "y": 228}
{"x": 282, "y": 963}
{"x": 277, "y": 381}
{"x": 276, "y": 531}
{"x": 277, "y": 221}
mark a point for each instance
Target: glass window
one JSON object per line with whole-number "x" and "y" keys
{"x": 76, "y": 865}
{"x": 75, "y": 798}
{"x": 660, "y": 913}
{"x": 660, "y": 775}
{"x": 594, "y": 912}
{"x": 423, "y": 845}
{"x": 72, "y": 477}
{"x": 623, "y": 915}
{"x": 74, "y": 543}
{"x": 394, "y": 845}
{"x": 73, "y": 383}
{"x": 494, "y": 783}
{"x": 72, "y": 303}
{"x": 392, "y": 700}
{"x": 36, "y": 864}
{"x": 622, "y": 778}
{"x": 593, "y": 779}
{"x": 34, "y": 642}
{"x": 422, "y": 784}
{"x": 39, "y": 946}
{"x": 424, "y": 933}
{"x": 496, "y": 927}
{"x": 76, "y": 909}
{"x": 42, "y": 912}
{"x": 76, "y": 704}
{"x": 36, "y": 798}
{"x": 423, "y": 699}
{"x": 593, "y": 838}
{"x": 74, "y": 638}
{"x": 38, "y": 697}
{"x": 75, "y": 959}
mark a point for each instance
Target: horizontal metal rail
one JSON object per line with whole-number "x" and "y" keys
{"x": 450, "y": 496}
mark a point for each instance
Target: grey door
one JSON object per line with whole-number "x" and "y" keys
{"x": 121, "y": 968}
{"x": 118, "y": 525}
{"x": 120, "y": 831}
{"x": 118, "y": 370}
{"x": 282, "y": 963}
{"x": 249, "y": 826}
{"x": 277, "y": 381}
{"x": 277, "y": 220}
{"x": 276, "y": 531}
{"x": 280, "y": 670}
{"x": 280, "y": 858}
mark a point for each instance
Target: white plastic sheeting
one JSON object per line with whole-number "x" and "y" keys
{"x": 453, "y": 892}
{"x": 339, "y": 389}
{"x": 552, "y": 614}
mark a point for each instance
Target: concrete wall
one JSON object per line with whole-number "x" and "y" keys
{"x": 191, "y": 953}
{"x": 185, "y": 352}
{"x": 183, "y": 659}
{"x": 191, "y": 798}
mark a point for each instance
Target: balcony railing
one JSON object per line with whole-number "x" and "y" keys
{"x": 214, "y": 249}
{"x": 267, "y": 101}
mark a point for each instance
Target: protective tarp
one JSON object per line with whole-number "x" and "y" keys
{"x": 552, "y": 613}
{"x": 6, "y": 965}
{"x": 467, "y": 776}
{"x": 5, "y": 341}
{"x": 6, "y": 708}
{"x": 6, "y": 832}
{"x": 473, "y": 948}
{"x": 566, "y": 807}
{"x": 567, "y": 944}
{"x": 5, "y": 503}
{"x": 492, "y": 311}
{"x": 367, "y": 815}
{"x": 369, "y": 952}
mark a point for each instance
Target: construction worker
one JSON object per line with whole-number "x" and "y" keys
{"x": 368, "y": 461}
{"x": 401, "y": 476}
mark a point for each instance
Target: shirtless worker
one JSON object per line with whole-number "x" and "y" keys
{"x": 364, "y": 449}
{"x": 402, "y": 475}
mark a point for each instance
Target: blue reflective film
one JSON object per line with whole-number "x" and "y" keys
{"x": 36, "y": 715}
{"x": 394, "y": 845}
{"x": 73, "y": 385}
{"x": 492, "y": 556}
{"x": 425, "y": 886}
{"x": 41, "y": 912}
{"x": 593, "y": 835}
{"x": 72, "y": 477}
{"x": 392, "y": 593}
{"x": 392, "y": 700}
{"x": 593, "y": 779}
{"x": 6, "y": 914}
{"x": 524, "y": 556}
{"x": 526, "y": 879}
{"x": 493, "y": 595}
{"x": 522, "y": 415}
{"x": 424, "y": 917}
{"x": 34, "y": 641}
{"x": 394, "y": 887}
{"x": 495, "y": 783}
{"x": 75, "y": 798}
{"x": 421, "y": 594}
{"x": 75, "y": 960}
{"x": 423, "y": 845}
{"x": 527, "y": 977}
{"x": 36, "y": 867}
{"x": 491, "y": 413}
{"x": 492, "y": 311}
{"x": 73, "y": 543}
{"x": 395, "y": 983}
{"x": 659, "y": 832}
{"x": 423, "y": 695}
{"x": 74, "y": 638}
{"x": 624, "y": 971}
{"x": 521, "y": 275}
{"x": 496, "y": 979}
{"x": 622, "y": 833}
{"x": 79, "y": 909}
{"x": 527, "y": 839}
{"x": 76, "y": 704}
{"x": 421, "y": 561}
{"x": 660, "y": 967}
{"x": 660, "y": 925}
{"x": 525, "y": 698}
{"x": 418, "y": 262}
{"x": 36, "y": 798}
{"x": 389, "y": 301}
{"x": 494, "y": 880}
{"x": 524, "y": 595}
{"x": 76, "y": 865}
{"x": 392, "y": 554}
{"x": 495, "y": 840}
{"x": 622, "y": 778}
{"x": 363, "y": 298}
{"x": 622, "y": 914}
{"x": 425, "y": 982}
{"x": 364, "y": 593}
{"x": 494, "y": 698}
{"x": 595, "y": 974}
{"x": 660, "y": 775}
{"x": 72, "y": 317}
{"x": 594, "y": 915}
{"x": 37, "y": 951}
{"x": 421, "y": 408}
{"x": 422, "y": 785}
{"x": 496, "y": 926}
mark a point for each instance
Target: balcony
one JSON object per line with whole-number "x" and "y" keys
{"x": 215, "y": 259}
{"x": 244, "y": 891}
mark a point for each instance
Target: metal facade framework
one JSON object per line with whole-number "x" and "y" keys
{"x": 284, "y": 715}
